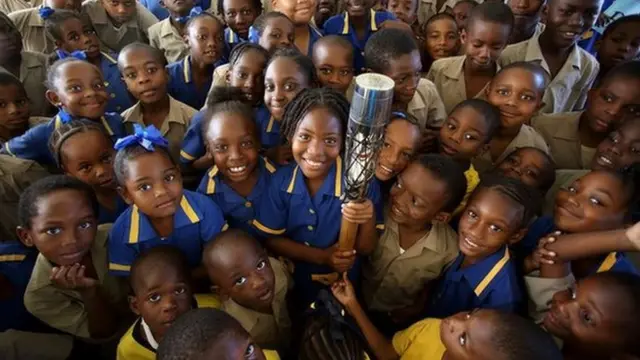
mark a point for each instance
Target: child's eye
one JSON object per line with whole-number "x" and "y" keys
{"x": 99, "y": 85}
{"x": 180, "y": 291}
{"x": 398, "y": 185}
{"x": 3, "y": 104}
{"x": 245, "y": 12}
{"x": 201, "y": 37}
{"x": 586, "y": 317}
{"x": 462, "y": 339}
{"x": 503, "y": 92}
{"x": 326, "y": 71}
{"x": 85, "y": 225}
{"x": 250, "y": 350}
{"x": 268, "y": 87}
{"x": 469, "y": 137}
{"x": 53, "y": 231}
{"x": 130, "y": 75}
{"x": 21, "y": 102}
{"x": 242, "y": 75}
{"x": 635, "y": 150}
{"x": 152, "y": 70}
{"x": 247, "y": 144}
{"x": 74, "y": 88}
{"x": 169, "y": 178}
{"x": 290, "y": 87}
{"x": 572, "y": 189}
{"x": 345, "y": 72}
{"x": 221, "y": 148}
{"x": 494, "y": 228}
{"x": 595, "y": 201}
{"x": 472, "y": 214}
{"x": 261, "y": 265}
{"x": 241, "y": 281}
{"x": 331, "y": 141}
{"x": 154, "y": 298}
{"x": 572, "y": 293}
{"x": 386, "y": 145}
{"x": 303, "y": 137}
{"x": 450, "y": 126}
{"x": 144, "y": 187}
{"x": 526, "y": 97}
{"x": 607, "y": 98}
{"x": 407, "y": 155}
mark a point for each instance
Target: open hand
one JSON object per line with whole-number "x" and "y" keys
{"x": 72, "y": 277}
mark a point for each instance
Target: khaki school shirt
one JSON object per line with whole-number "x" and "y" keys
{"x": 527, "y": 137}
{"x": 114, "y": 38}
{"x": 15, "y": 176}
{"x": 564, "y": 178}
{"x": 427, "y": 106}
{"x": 173, "y": 127}
{"x": 568, "y": 89}
{"x": 270, "y": 331}
{"x": 393, "y": 279}
{"x": 219, "y": 77}
{"x": 31, "y": 27}
{"x": 33, "y": 74}
{"x": 9, "y": 6}
{"x": 560, "y": 131}
{"x": 448, "y": 76}
{"x": 428, "y": 8}
{"x": 64, "y": 309}
{"x": 167, "y": 38}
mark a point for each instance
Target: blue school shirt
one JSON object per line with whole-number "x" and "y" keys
{"x": 34, "y": 144}
{"x": 314, "y": 35}
{"x": 119, "y": 98}
{"x": 181, "y": 85}
{"x": 615, "y": 261}
{"x": 106, "y": 216}
{"x": 290, "y": 211}
{"x": 340, "y": 25}
{"x": 269, "y": 128}
{"x": 161, "y": 13}
{"x": 491, "y": 283}
{"x": 193, "y": 142}
{"x": 231, "y": 39}
{"x": 238, "y": 211}
{"x": 16, "y": 264}
{"x": 196, "y": 221}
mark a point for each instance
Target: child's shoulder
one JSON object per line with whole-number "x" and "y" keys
{"x": 26, "y": 17}
{"x": 530, "y": 137}
{"x": 448, "y": 64}
{"x": 334, "y": 24}
{"x": 181, "y": 110}
{"x": 515, "y": 52}
{"x": 285, "y": 174}
{"x": 95, "y": 10}
{"x": 130, "y": 346}
{"x": 556, "y": 120}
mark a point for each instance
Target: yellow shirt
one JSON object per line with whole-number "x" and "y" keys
{"x": 421, "y": 341}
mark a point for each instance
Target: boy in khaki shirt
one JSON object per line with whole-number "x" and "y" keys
{"x": 167, "y": 34}
{"x": 572, "y": 69}
{"x": 574, "y": 136}
{"x": 9, "y": 6}
{"x": 465, "y": 77}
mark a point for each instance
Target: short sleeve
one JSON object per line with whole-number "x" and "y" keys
{"x": 193, "y": 143}
{"x": 31, "y": 145}
{"x": 374, "y": 193}
{"x": 421, "y": 338}
{"x": 271, "y": 217}
{"x": 436, "y": 111}
{"x": 213, "y": 222}
{"x": 121, "y": 256}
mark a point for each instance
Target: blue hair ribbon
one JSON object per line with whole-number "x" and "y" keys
{"x": 182, "y": 19}
{"x": 45, "y": 12}
{"x": 254, "y": 35}
{"x": 197, "y": 10}
{"x": 399, "y": 114}
{"x": 78, "y": 54}
{"x": 146, "y": 137}
{"x": 64, "y": 116}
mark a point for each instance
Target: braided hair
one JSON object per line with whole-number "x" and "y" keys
{"x": 243, "y": 48}
{"x": 66, "y": 130}
{"x": 304, "y": 62}
{"x": 310, "y": 99}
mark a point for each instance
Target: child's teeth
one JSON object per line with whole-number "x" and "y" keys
{"x": 237, "y": 169}
{"x": 314, "y": 163}
{"x": 605, "y": 160}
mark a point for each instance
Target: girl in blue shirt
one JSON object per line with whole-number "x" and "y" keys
{"x": 239, "y": 15}
{"x": 83, "y": 150}
{"x": 303, "y": 211}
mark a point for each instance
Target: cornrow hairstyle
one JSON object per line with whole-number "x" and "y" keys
{"x": 523, "y": 197}
{"x": 261, "y": 21}
{"x": 65, "y": 131}
{"x": 305, "y": 64}
{"x": 161, "y": 256}
{"x": 328, "y": 335}
{"x": 634, "y": 18}
{"x": 436, "y": 17}
{"x": 534, "y": 68}
{"x": 489, "y": 112}
{"x": 54, "y": 71}
{"x": 450, "y": 172}
{"x": 629, "y": 70}
{"x": 308, "y": 100}
{"x": 496, "y": 12}
{"x": 243, "y": 48}
{"x": 129, "y": 153}
{"x": 257, "y": 5}
{"x": 155, "y": 53}
{"x": 206, "y": 14}
{"x": 386, "y": 45}
{"x": 53, "y": 24}
{"x": 530, "y": 343}
{"x": 196, "y": 331}
{"x": 226, "y": 99}
{"x": 6, "y": 79}
{"x": 548, "y": 173}
{"x": 28, "y": 205}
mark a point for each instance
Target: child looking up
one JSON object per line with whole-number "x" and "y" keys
{"x": 167, "y": 35}
{"x": 333, "y": 59}
{"x": 14, "y": 108}
{"x": 620, "y": 43}
{"x": 527, "y": 16}
{"x": 465, "y": 77}
{"x": 239, "y": 179}
{"x": 530, "y": 165}
{"x": 357, "y": 24}
{"x": 70, "y": 288}
{"x": 573, "y": 137}
{"x": 83, "y": 149}
{"x": 572, "y": 69}
{"x": 238, "y": 15}
{"x": 303, "y": 211}
{"x": 417, "y": 243}
{"x": 251, "y": 286}
{"x": 72, "y": 33}
{"x": 442, "y": 39}
{"x": 161, "y": 292}
{"x": 77, "y": 89}
{"x": 143, "y": 69}
{"x": 517, "y": 90}
{"x": 272, "y": 31}
{"x": 300, "y": 14}
{"x": 161, "y": 212}
{"x": 401, "y": 140}
{"x": 29, "y": 67}
{"x": 119, "y": 22}
{"x": 190, "y": 78}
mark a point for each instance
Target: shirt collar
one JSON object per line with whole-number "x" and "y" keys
{"x": 567, "y": 128}
{"x": 174, "y": 115}
{"x": 216, "y": 185}
{"x": 108, "y": 58}
{"x": 34, "y": 17}
{"x": 481, "y": 274}
{"x": 431, "y": 241}
{"x": 230, "y": 36}
{"x": 29, "y": 61}
{"x": 142, "y": 230}
{"x": 167, "y": 29}
{"x": 332, "y": 184}
{"x": 608, "y": 262}
{"x": 455, "y": 69}
{"x": 186, "y": 71}
{"x": 417, "y": 102}
{"x": 372, "y": 22}
{"x": 534, "y": 53}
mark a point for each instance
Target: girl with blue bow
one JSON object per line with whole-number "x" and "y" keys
{"x": 161, "y": 212}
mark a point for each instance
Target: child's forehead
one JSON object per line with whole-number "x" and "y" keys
{"x": 470, "y": 117}
{"x": 442, "y": 23}
{"x": 79, "y": 70}
{"x": 522, "y": 78}
{"x": 236, "y": 3}
{"x": 62, "y": 201}
{"x": 138, "y": 56}
{"x": 11, "y": 90}
{"x": 206, "y": 23}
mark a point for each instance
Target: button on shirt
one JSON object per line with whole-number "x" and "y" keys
{"x": 119, "y": 98}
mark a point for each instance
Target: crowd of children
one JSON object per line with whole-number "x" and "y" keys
{"x": 172, "y": 181}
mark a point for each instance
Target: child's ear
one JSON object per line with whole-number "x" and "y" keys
{"x": 227, "y": 78}
{"x": 53, "y": 98}
{"x": 124, "y": 194}
{"x": 443, "y": 217}
{"x": 463, "y": 36}
{"x": 518, "y": 236}
{"x": 133, "y": 305}
{"x": 274, "y": 4}
{"x": 25, "y": 236}
{"x": 545, "y": 13}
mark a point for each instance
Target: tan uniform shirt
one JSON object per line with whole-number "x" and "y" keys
{"x": 448, "y": 76}
{"x": 568, "y": 89}
{"x": 270, "y": 331}
{"x": 114, "y": 38}
{"x": 31, "y": 27}
{"x": 168, "y": 39}
{"x": 428, "y": 8}
{"x": 527, "y": 137}
{"x": 173, "y": 128}
{"x": 9, "y": 6}
{"x": 219, "y": 77}
{"x": 33, "y": 74}
{"x": 64, "y": 309}
{"x": 560, "y": 131}
{"x": 393, "y": 278}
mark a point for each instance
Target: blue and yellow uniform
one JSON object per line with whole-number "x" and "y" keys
{"x": 119, "y": 98}
{"x": 615, "y": 261}
{"x": 290, "y": 211}
{"x": 238, "y": 210}
{"x": 33, "y": 144}
{"x": 340, "y": 25}
{"x": 106, "y": 216}
{"x": 196, "y": 221}
{"x": 491, "y": 283}
{"x": 314, "y": 35}
{"x": 156, "y": 8}
{"x": 181, "y": 85}
{"x": 231, "y": 39}
{"x": 193, "y": 143}
{"x": 269, "y": 128}
{"x": 16, "y": 264}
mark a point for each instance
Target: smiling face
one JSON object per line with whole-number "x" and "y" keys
{"x": 14, "y": 109}
{"x": 620, "y": 149}
{"x": 518, "y": 94}
{"x": 153, "y": 184}
{"x": 80, "y": 90}
{"x": 613, "y": 100}
{"x": 484, "y": 42}
{"x": 278, "y": 33}
{"x": 622, "y": 44}
{"x": 79, "y": 36}
{"x": 358, "y": 8}
{"x": 64, "y": 228}
{"x": 144, "y": 76}
{"x": 464, "y": 134}
{"x": 567, "y": 20}
{"x": 299, "y": 12}
{"x": 442, "y": 38}
{"x": 316, "y": 142}
{"x": 247, "y": 74}
{"x": 528, "y": 165}
{"x": 405, "y": 70}
{"x": 596, "y": 202}
{"x": 283, "y": 80}
{"x": 334, "y": 65}
{"x": 88, "y": 157}
{"x": 239, "y": 15}
{"x": 401, "y": 140}
{"x": 205, "y": 38}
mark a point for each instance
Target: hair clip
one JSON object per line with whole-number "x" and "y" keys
{"x": 182, "y": 19}
{"x": 45, "y": 12}
{"x": 254, "y": 35}
{"x": 64, "y": 116}
{"x": 399, "y": 114}
{"x": 78, "y": 54}
{"x": 146, "y": 137}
